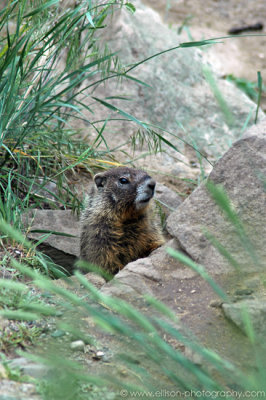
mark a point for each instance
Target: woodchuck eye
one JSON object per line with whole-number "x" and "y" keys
{"x": 123, "y": 180}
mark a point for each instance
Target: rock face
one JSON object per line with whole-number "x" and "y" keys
{"x": 179, "y": 100}
{"x": 251, "y": 311}
{"x": 241, "y": 172}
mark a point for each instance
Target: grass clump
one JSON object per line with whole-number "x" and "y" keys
{"x": 49, "y": 65}
{"x": 47, "y": 54}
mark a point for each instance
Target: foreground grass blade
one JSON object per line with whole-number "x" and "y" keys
{"x": 259, "y": 95}
{"x": 221, "y": 199}
{"x": 200, "y": 270}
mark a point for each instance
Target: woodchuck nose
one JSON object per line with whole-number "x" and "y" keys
{"x": 119, "y": 224}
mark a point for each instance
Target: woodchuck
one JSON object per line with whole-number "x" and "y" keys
{"x": 119, "y": 224}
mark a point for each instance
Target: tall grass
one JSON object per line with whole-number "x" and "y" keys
{"x": 46, "y": 54}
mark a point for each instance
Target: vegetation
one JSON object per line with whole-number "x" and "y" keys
{"x": 42, "y": 95}
{"x": 155, "y": 339}
{"x": 252, "y": 89}
{"x": 50, "y": 64}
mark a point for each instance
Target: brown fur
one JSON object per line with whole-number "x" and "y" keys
{"x": 118, "y": 224}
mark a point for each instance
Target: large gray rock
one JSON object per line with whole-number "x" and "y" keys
{"x": 63, "y": 250}
{"x": 241, "y": 172}
{"x": 248, "y": 315}
{"x": 179, "y": 99}
{"x": 60, "y": 221}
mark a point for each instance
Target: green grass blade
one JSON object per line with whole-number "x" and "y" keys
{"x": 89, "y": 17}
{"x": 14, "y": 234}
{"x": 198, "y": 43}
{"x": 200, "y": 270}
{"x": 259, "y": 95}
{"x": 17, "y": 286}
{"x": 222, "y": 250}
{"x": 221, "y": 199}
{"x": 121, "y": 112}
{"x": 19, "y": 315}
{"x": 51, "y": 232}
{"x": 41, "y": 8}
{"x": 218, "y": 95}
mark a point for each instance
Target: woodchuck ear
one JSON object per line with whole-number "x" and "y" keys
{"x": 100, "y": 180}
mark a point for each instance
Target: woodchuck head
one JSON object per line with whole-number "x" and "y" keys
{"x": 125, "y": 189}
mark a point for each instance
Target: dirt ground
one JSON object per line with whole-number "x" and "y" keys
{"x": 242, "y": 57}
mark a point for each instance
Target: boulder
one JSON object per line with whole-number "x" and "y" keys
{"x": 178, "y": 99}
{"x": 241, "y": 172}
{"x": 248, "y": 315}
{"x": 63, "y": 250}
{"x": 59, "y": 221}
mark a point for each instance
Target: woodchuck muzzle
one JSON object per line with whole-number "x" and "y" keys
{"x": 119, "y": 224}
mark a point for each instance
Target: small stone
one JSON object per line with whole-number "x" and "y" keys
{"x": 58, "y": 333}
{"x": 123, "y": 372}
{"x": 243, "y": 292}
{"x": 193, "y": 291}
{"x": 216, "y": 303}
{"x": 3, "y": 373}
{"x": 193, "y": 356}
{"x": 98, "y": 355}
{"x": 77, "y": 345}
